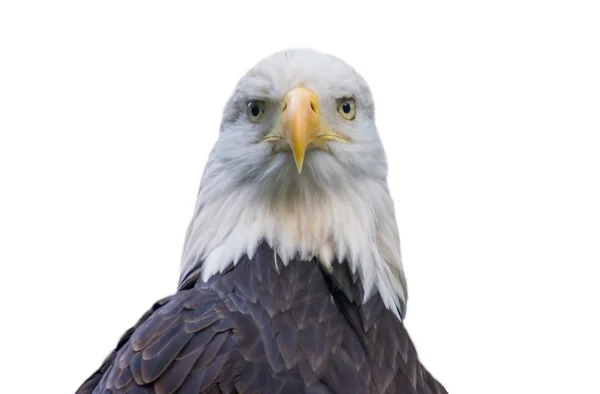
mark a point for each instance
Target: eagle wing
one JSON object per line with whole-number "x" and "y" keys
{"x": 181, "y": 344}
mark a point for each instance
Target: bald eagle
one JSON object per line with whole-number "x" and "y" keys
{"x": 291, "y": 278}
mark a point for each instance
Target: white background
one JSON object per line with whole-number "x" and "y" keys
{"x": 490, "y": 114}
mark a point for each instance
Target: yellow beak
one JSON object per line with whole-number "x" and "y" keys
{"x": 300, "y": 122}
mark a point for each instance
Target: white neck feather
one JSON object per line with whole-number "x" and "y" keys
{"x": 356, "y": 223}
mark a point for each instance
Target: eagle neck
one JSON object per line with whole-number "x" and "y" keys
{"x": 355, "y": 225}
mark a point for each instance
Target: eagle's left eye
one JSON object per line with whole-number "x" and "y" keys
{"x": 255, "y": 111}
{"x": 347, "y": 108}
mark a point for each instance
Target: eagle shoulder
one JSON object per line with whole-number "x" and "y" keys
{"x": 182, "y": 343}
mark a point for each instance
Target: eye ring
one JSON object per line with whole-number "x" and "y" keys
{"x": 255, "y": 111}
{"x": 347, "y": 109}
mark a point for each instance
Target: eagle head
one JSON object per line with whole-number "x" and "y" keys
{"x": 299, "y": 164}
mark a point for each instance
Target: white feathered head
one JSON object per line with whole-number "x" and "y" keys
{"x": 299, "y": 164}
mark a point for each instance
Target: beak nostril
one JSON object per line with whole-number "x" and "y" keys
{"x": 312, "y": 106}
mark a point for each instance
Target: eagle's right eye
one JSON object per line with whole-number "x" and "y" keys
{"x": 255, "y": 111}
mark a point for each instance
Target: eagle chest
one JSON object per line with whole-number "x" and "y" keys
{"x": 298, "y": 328}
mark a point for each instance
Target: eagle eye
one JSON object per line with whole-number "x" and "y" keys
{"x": 347, "y": 109}
{"x": 255, "y": 111}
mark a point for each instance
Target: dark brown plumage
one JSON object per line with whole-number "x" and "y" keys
{"x": 262, "y": 327}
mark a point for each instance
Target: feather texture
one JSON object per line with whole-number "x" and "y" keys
{"x": 258, "y": 328}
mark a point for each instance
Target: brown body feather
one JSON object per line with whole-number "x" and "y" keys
{"x": 262, "y": 327}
